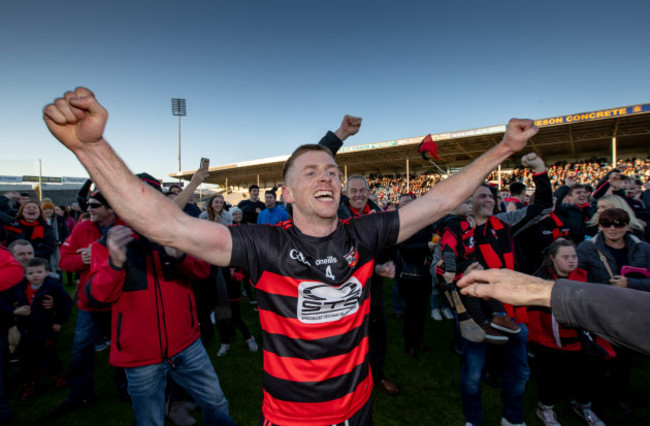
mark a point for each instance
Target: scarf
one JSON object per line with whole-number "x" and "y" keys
{"x": 365, "y": 211}
{"x": 38, "y": 231}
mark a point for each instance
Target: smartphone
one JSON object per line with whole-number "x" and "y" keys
{"x": 205, "y": 162}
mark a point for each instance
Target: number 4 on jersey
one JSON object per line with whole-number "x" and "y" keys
{"x": 328, "y": 273}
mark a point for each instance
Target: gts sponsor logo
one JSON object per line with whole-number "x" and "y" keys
{"x": 322, "y": 303}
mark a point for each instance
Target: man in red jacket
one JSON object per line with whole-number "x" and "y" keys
{"x": 76, "y": 257}
{"x": 155, "y": 330}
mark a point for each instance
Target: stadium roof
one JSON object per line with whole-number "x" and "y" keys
{"x": 570, "y": 136}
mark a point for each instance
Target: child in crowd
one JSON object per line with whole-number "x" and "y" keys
{"x": 39, "y": 306}
{"x": 457, "y": 247}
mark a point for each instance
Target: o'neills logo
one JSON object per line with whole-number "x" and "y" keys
{"x": 320, "y": 303}
{"x": 328, "y": 261}
{"x": 352, "y": 257}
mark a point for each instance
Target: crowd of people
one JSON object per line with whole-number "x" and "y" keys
{"x": 588, "y": 172}
{"x": 153, "y": 291}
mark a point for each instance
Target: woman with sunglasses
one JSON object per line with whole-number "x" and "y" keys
{"x": 613, "y": 247}
{"x": 604, "y": 256}
{"x": 615, "y": 202}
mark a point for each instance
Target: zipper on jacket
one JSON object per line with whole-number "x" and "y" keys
{"x": 119, "y": 330}
{"x": 189, "y": 299}
{"x": 160, "y": 309}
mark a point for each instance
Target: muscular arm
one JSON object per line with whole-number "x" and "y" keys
{"x": 449, "y": 193}
{"x": 77, "y": 120}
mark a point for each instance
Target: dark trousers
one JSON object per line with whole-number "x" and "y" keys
{"x": 416, "y": 295}
{"x": 569, "y": 373}
{"x": 226, "y": 327}
{"x": 38, "y": 356}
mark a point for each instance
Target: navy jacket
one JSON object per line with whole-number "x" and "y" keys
{"x": 38, "y": 325}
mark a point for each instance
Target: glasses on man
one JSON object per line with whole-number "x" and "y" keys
{"x": 95, "y": 205}
{"x": 615, "y": 224}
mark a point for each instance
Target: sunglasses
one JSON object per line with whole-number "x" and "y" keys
{"x": 616, "y": 223}
{"x": 95, "y": 205}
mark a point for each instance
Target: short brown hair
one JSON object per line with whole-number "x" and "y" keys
{"x": 298, "y": 152}
{"x": 38, "y": 261}
{"x": 576, "y": 186}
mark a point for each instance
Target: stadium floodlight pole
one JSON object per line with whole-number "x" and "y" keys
{"x": 179, "y": 109}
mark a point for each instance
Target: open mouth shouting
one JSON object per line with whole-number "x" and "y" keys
{"x": 324, "y": 195}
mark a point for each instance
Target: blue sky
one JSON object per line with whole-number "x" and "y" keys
{"x": 261, "y": 77}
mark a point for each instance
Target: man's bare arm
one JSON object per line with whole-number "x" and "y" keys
{"x": 77, "y": 120}
{"x": 449, "y": 193}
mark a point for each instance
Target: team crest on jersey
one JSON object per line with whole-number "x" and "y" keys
{"x": 352, "y": 257}
{"x": 320, "y": 303}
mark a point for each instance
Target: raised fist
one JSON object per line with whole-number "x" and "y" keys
{"x": 77, "y": 120}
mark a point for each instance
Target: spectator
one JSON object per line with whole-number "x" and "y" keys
{"x": 415, "y": 284}
{"x": 148, "y": 358}
{"x": 11, "y": 201}
{"x": 253, "y": 206}
{"x": 561, "y": 361}
{"x": 574, "y": 209}
{"x": 604, "y": 257}
{"x": 22, "y": 251}
{"x": 356, "y": 204}
{"x": 615, "y": 202}
{"x": 29, "y": 225}
{"x": 494, "y": 249}
{"x": 41, "y": 306}
{"x": 64, "y": 215}
{"x": 272, "y": 214}
{"x": 60, "y": 229}
{"x": 92, "y": 318}
{"x": 216, "y": 211}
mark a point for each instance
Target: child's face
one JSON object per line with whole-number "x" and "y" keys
{"x": 464, "y": 209}
{"x": 36, "y": 275}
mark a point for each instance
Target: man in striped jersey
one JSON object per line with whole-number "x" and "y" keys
{"x": 313, "y": 272}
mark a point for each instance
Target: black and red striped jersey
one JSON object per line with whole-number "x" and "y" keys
{"x": 314, "y": 301}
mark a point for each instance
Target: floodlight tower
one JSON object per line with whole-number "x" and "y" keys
{"x": 179, "y": 109}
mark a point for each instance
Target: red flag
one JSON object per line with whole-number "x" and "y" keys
{"x": 428, "y": 145}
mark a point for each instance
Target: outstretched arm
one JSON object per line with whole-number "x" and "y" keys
{"x": 449, "y": 193}
{"x": 507, "y": 286}
{"x": 617, "y": 314}
{"x": 77, "y": 120}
